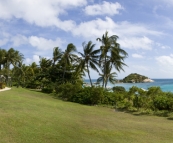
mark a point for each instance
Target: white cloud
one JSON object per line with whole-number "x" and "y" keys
{"x": 165, "y": 61}
{"x": 132, "y": 36}
{"x": 44, "y": 44}
{"x": 137, "y": 56}
{"x": 3, "y": 41}
{"x": 42, "y": 13}
{"x": 97, "y": 27}
{"x": 94, "y": 28}
{"x": 19, "y": 40}
{"x": 140, "y": 68}
{"x": 166, "y": 64}
{"x": 165, "y": 47}
{"x": 35, "y": 58}
{"x": 137, "y": 43}
{"x": 106, "y": 8}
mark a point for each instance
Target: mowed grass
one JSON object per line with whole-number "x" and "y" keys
{"x": 32, "y": 117}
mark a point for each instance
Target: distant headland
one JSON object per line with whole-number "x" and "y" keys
{"x": 136, "y": 78}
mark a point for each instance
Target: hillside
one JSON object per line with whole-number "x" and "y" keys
{"x": 134, "y": 78}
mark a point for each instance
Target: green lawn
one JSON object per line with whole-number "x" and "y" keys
{"x": 33, "y": 117}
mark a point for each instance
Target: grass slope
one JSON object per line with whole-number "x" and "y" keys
{"x": 33, "y": 117}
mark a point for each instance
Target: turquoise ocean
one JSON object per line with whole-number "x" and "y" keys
{"x": 164, "y": 84}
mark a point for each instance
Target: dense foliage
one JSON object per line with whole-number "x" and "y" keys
{"x": 136, "y": 99}
{"x": 64, "y": 66}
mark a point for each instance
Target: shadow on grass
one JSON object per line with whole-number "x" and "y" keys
{"x": 36, "y": 90}
{"x": 170, "y": 118}
{"x": 149, "y": 113}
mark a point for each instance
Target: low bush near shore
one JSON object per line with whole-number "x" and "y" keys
{"x": 136, "y": 99}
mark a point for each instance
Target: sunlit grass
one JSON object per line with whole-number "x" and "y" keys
{"x": 33, "y": 117}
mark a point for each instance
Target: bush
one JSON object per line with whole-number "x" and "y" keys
{"x": 118, "y": 89}
{"x": 2, "y": 85}
{"x": 47, "y": 90}
{"x": 89, "y": 95}
{"x": 67, "y": 91}
{"x": 161, "y": 102}
{"x": 124, "y": 104}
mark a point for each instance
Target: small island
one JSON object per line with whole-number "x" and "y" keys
{"x": 136, "y": 78}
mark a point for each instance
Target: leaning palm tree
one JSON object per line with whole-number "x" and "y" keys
{"x": 111, "y": 51}
{"x": 68, "y": 57}
{"x": 89, "y": 59}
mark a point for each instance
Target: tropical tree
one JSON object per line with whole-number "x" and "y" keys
{"x": 19, "y": 73}
{"x": 2, "y": 57}
{"x": 108, "y": 76}
{"x": 57, "y": 54}
{"x": 68, "y": 57}
{"x": 45, "y": 65}
{"x": 89, "y": 58}
{"x": 112, "y": 53}
{"x": 12, "y": 57}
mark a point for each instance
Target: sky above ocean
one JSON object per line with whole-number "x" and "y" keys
{"x": 144, "y": 27}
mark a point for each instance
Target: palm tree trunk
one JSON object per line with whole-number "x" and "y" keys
{"x": 104, "y": 72}
{"x": 89, "y": 75}
{"x": 106, "y": 81}
{"x": 64, "y": 72}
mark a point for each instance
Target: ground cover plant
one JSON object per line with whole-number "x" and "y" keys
{"x": 31, "y": 116}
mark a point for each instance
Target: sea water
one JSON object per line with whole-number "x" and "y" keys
{"x": 164, "y": 84}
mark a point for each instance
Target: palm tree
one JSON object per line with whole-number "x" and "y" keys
{"x": 20, "y": 72}
{"x": 12, "y": 57}
{"x": 45, "y": 64}
{"x": 108, "y": 76}
{"x": 2, "y": 57}
{"x": 111, "y": 52}
{"x": 89, "y": 59}
{"x": 57, "y": 54}
{"x": 68, "y": 57}
{"x": 33, "y": 69}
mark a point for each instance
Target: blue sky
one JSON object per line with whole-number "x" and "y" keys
{"x": 145, "y": 30}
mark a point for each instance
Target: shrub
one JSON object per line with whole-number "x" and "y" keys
{"x": 67, "y": 91}
{"x": 124, "y": 104}
{"x": 161, "y": 102}
{"x": 118, "y": 89}
{"x": 89, "y": 95}
{"x": 47, "y": 90}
